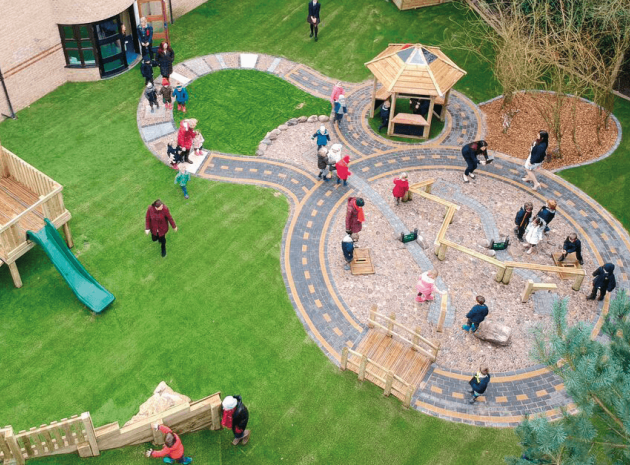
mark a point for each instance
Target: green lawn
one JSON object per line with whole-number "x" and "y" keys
{"x": 258, "y": 101}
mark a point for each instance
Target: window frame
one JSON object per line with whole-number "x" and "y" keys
{"x": 76, "y": 37}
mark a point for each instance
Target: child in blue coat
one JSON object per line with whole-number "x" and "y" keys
{"x": 340, "y": 109}
{"x": 181, "y": 97}
{"x": 322, "y": 137}
{"x": 476, "y": 315}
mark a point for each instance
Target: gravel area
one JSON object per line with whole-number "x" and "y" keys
{"x": 392, "y": 288}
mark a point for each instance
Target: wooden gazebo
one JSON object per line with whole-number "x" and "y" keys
{"x": 413, "y": 71}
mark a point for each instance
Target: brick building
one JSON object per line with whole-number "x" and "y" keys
{"x": 45, "y": 43}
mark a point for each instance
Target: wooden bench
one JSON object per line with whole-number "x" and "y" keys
{"x": 532, "y": 287}
{"x": 411, "y": 120}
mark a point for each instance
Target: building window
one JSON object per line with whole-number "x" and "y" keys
{"x": 78, "y": 45}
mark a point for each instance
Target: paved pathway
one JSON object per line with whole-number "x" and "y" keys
{"x": 314, "y": 203}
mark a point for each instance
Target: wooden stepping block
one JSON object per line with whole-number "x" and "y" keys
{"x": 569, "y": 262}
{"x": 362, "y": 262}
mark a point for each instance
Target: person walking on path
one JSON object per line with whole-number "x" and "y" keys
{"x": 173, "y": 450}
{"x": 523, "y": 217}
{"x": 536, "y": 157}
{"x": 426, "y": 286}
{"x": 384, "y": 112}
{"x": 165, "y": 59}
{"x": 548, "y": 213}
{"x": 182, "y": 179}
{"x": 166, "y": 92}
{"x": 479, "y": 384}
{"x": 313, "y": 17}
{"x": 322, "y": 137}
{"x": 347, "y": 246}
{"x": 322, "y": 164}
{"x": 157, "y": 220}
{"x": 145, "y": 35}
{"x": 151, "y": 96}
{"x": 343, "y": 173}
{"x": 476, "y": 315}
{"x": 470, "y": 153}
{"x": 604, "y": 281}
{"x": 355, "y": 217}
{"x": 334, "y": 157}
{"x": 401, "y": 187}
{"x": 146, "y": 69}
{"x": 185, "y": 137}
{"x": 534, "y": 234}
{"x": 339, "y": 109}
{"x": 336, "y": 92}
{"x": 236, "y": 416}
{"x": 572, "y": 245}
{"x": 181, "y": 97}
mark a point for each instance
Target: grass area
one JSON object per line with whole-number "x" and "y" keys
{"x": 213, "y": 316}
{"x": 352, "y": 33}
{"x": 259, "y": 102}
{"x": 402, "y": 106}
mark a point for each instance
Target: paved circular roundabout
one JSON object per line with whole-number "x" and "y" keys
{"x": 307, "y": 271}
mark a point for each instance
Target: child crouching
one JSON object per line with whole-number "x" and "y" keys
{"x": 173, "y": 450}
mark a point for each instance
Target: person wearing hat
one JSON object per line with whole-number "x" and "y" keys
{"x": 604, "y": 281}
{"x": 236, "y": 416}
{"x": 470, "y": 153}
{"x": 355, "y": 216}
{"x": 340, "y": 108}
{"x": 151, "y": 96}
{"x": 313, "y": 17}
{"x": 322, "y": 137}
{"x": 401, "y": 187}
{"x": 343, "y": 173}
{"x": 173, "y": 450}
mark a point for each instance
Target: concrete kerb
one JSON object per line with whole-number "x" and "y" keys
{"x": 589, "y": 162}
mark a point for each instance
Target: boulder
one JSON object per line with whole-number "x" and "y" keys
{"x": 271, "y": 136}
{"x": 421, "y": 242}
{"x": 292, "y": 122}
{"x": 163, "y": 398}
{"x": 266, "y": 141}
{"x": 495, "y": 333}
{"x": 260, "y": 153}
{"x": 263, "y": 147}
{"x": 276, "y": 132}
{"x": 324, "y": 118}
{"x": 283, "y": 127}
{"x": 312, "y": 119}
{"x": 302, "y": 119}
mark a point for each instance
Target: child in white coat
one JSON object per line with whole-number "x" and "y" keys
{"x": 534, "y": 234}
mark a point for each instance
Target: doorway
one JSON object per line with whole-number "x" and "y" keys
{"x": 110, "y": 47}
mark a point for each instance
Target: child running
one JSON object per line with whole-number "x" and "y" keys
{"x": 182, "y": 179}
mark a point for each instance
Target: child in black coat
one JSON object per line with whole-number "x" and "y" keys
{"x": 479, "y": 383}
{"x": 476, "y": 315}
{"x": 151, "y": 96}
{"x": 548, "y": 213}
{"x": 174, "y": 153}
{"x": 604, "y": 281}
{"x": 146, "y": 69}
{"x": 347, "y": 246}
{"x": 523, "y": 216}
{"x": 572, "y": 245}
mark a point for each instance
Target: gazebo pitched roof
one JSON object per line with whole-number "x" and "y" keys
{"x": 415, "y": 69}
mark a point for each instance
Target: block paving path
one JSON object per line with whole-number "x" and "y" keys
{"x": 306, "y": 271}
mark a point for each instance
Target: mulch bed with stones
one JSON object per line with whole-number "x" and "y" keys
{"x": 527, "y": 120}
{"x": 392, "y": 288}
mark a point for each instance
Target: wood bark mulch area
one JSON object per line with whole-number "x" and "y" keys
{"x": 526, "y": 123}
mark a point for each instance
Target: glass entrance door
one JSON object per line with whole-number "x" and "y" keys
{"x": 109, "y": 38}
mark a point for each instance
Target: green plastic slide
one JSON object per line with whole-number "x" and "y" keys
{"x": 86, "y": 288}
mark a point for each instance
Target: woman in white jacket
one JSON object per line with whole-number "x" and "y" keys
{"x": 534, "y": 234}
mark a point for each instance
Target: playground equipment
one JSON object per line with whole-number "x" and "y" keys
{"x": 31, "y": 207}
{"x": 411, "y": 4}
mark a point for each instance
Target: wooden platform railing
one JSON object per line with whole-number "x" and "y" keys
{"x": 36, "y": 181}
{"x": 364, "y": 368}
{"x": 415, "y": 337}
{"x": 78, "y": 435}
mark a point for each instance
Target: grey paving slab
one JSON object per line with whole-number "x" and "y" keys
{"x": 155, "y": 131}
{"x": 198, "y": 66}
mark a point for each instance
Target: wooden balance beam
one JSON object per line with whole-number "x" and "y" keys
{"x": 426, "y": 185}
{"x": 532, "y": 287}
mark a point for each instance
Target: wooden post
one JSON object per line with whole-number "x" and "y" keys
{"x": 373, "y": 98}
{"x": 416, "y": 338}
{"x": 390, "y": 325}
{"x": 427, "y": 129}
{"x": 215, "y": 413}
{"x": 443, "y": 112}
{"x": 389, "y": 380}
{"x": 4, "y": 166}
{"x": 507, "y": 275}
{"x": 13, "y": 445}
{"x": 362, "y": 367}
{"x": 15, "y": 274}
{"x": 372, "y": 316}
{"x": 499, "y": 276}
{"x": 392, "y": 113}
{"x": 428, "y": 188}
{"x": 443, "y": 308}
{"x": 407, "y": 401}
{"x": 68, "y": 234}
{"x": 577, "y": 284}
{"x": 344, "y": 359}
{"x": 528, "y": 291}
{"x": 46, "y": 211}
{"x": 89, "y": 433}
{"x": 4, "y": 447}
{"x": 441, "y": 252}
{"x": 448, "y": 209}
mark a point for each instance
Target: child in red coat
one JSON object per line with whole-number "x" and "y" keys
{"x": 342, "y": 170}
{"x": 401, "y": 187}
{"x": 173, "y": 450}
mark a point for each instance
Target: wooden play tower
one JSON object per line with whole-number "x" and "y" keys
{"x": 27, "y": 196}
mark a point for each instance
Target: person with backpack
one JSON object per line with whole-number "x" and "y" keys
{"x": 536, "y": 157}
{"x": 604, "y": 281}
{"x": 523, "y": 217}
{"x": 236, "y": 417}
{"x": 173, "y": 450}
{"x": 479, "y": 384}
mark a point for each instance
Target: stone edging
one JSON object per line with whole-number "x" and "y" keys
{"x": 274, "y": 133}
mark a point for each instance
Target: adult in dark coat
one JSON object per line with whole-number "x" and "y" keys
{"x": 354, "y": 215}
{"x": 165, "y": 59}
{"x": 523, "y": 216}
{"x": 157, "y": 220}
{"x": 572, "y": 245}
{"x": 236, "y": 416}
{"x": 479, "y": 383}
{"x": 313, "y": 17}
{"x": 145, "y": 35}
{"x": 470, "y": 152}
{"x": 537, "y": 155}
{"x": 604, "y": 281}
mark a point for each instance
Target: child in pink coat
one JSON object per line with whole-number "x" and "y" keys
{"x": 426, "y": 286}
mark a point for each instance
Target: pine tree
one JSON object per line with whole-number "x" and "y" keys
{"x": 597, "y": 377}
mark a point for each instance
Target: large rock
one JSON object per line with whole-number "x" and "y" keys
{"x": 292, "y": 122}
{"x": 312, "y": 119}
{"x": 302, "y": 119}
{"x": 266, "y": 141}
{"x": 324, "y": 118}
{"x": 495, "y": 333}
{"x": 283, "y": 127}
{"x": 263, "y": 147}
{"x": 163, "y": 398}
